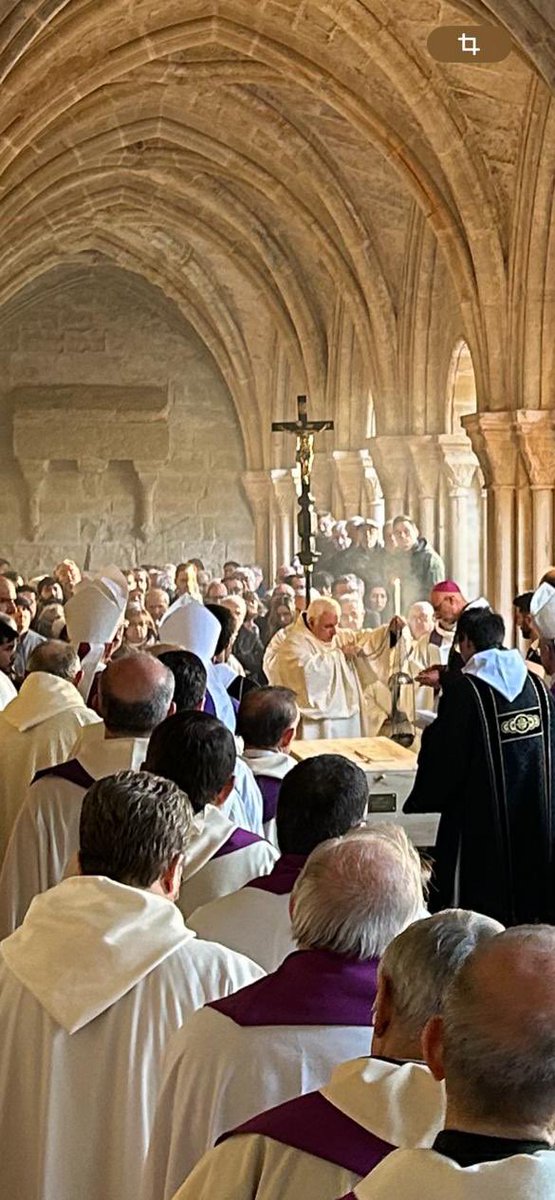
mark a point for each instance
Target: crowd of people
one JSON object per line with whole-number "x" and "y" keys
{"x": 217, "y": 980}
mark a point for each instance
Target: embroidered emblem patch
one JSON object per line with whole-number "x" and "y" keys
{"x": 521, "y": 723}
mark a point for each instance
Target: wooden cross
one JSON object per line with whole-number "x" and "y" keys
{"x": 305, "y": 431}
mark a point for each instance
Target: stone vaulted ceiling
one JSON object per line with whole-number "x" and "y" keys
{"x": 327, "y": 207}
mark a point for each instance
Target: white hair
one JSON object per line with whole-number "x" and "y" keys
{"x": 233, "y": 602}
{"x": 358, "y": 892}
{"x": 318, "y": 607}
{"x": 499, "y": 1047}
{"x": 422, "y": 961}
{"x": 422, "y": 606}
{"x": 352, "y": 598}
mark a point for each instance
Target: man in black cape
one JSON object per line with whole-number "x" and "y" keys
{"x": 487, "y": 765}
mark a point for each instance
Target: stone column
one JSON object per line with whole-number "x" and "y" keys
{"x": 391, "y": 459}
{"x": 535, "y": 432}
{"x": 349, "y": 466}
{"x": 284, "y": 504}
{"x": 460, "y": 466}
{"x": 34, "y": 471}
{"x": 424, "y": 452}
{"x": 147, "y": 475}
{"x": 374, "y": 506}
{"x": 258, "y": 490}
{"x": 495, "y": 445}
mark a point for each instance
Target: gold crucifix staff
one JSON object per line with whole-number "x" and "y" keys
{"x": 305, "y": 431}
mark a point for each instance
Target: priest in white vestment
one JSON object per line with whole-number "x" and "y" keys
{"x": 198, "y": 753}
{"x": 134, "y": 696}
{"x": 92, "y": 986}
{"x": 40, "y": 727}
{"x": 493, "y": 1046}
{"x": 282, "y": 1037}
{"x": 322, "y": 797}
{"x": 189, "y": 626}
{"x": 335, "y": 692}
{"x": 267, "y": 723}
{"x": 322, "y": 1143}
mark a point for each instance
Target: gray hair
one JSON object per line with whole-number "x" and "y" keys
{"x": 318, "y": 607}
{"x": 55, "y": 658}
{"x": 421, "y": 962}
{"x": 358, "y": 892}
{"x": 499, "y": 1044}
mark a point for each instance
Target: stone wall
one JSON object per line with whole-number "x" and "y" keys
{"x": 96, "y": 326}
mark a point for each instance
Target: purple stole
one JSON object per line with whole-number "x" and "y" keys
{"x": 72, "y": 771}
{"x": 312, "y": 987}
{"x": 283, "y": 877}
{"x": 209, "y": 706}
{"x": 435, "y": 638}
{"x": 314, "y": 1126}
{"x": 270, "y": 792}
{"x": 238, "y": 840}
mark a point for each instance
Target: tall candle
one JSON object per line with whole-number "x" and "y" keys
{"x": 396, "y": 597}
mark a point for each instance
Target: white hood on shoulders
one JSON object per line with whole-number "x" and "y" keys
{"x": 274, "y": 763}
{"x": 504, "y": 670}
{"x": 86, "y": 942}
{"x": 426, "y": 1175}
{"x": 400, "y": 1102}
{"x": 42, "y": 696}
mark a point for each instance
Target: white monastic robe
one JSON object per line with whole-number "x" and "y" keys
{"x": 46, "y": 832}
{"x": 269, "y": 767}
{"x": 38, "y": 729}
{"x": 325, "y": 682}
{"x": 427, "y": 1175}
{"x": 271, "y": 1042}
{"x": 245, "y": 804}
{"x": 255, "y": 920}
{"x": 7, "y": 690}
{"x": 324, "y": 1142}
{"x": 431, "y": 650}
{"x": 220, "y": 858}
{"x": 92, "y": 986}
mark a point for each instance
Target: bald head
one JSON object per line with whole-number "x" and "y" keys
{"x": 498, "y": 1033}
{"x": 55, "y": 658}
{"x": 135, "y": 695}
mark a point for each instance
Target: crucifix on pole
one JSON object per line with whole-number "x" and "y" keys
{"x": 305, "y": 431}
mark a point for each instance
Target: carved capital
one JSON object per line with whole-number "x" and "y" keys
{"x": 459, "y": 461}
{"x": 258, "y": 488}
{"x": 349, "y": 467}
{"x": 392, "y": 462}
{"x": 495, "y": 445}
{"x": 34, "y": 471}
{"x": 535, "y": 433}
{"x": 426, "y": 464}
{"x": 284, "y": 491}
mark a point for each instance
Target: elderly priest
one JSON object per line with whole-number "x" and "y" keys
{"x": 284, "y": 1035}
{"x": 323, "y": 1142}
{"x": 92, "y": 985}
{"x": 493, "y": 1044}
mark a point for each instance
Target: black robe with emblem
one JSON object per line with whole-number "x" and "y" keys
{"x": 487, "y": 765}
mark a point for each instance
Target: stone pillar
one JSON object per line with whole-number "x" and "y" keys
{"x": 147, "y": 475}
{"x": 535, "y": 432}
{"x": 350, "y": 483}
{"x": 460, "y": 466}
{"x": 284, "y": 505}
{"x": 34, "y": 471}
{"x": 391, "y": 459}
{"x": 258, "y": 490}
{"x": 374, "y": 502}
{"x": 426, "y": 462}
{"x": 494, "y": 442}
